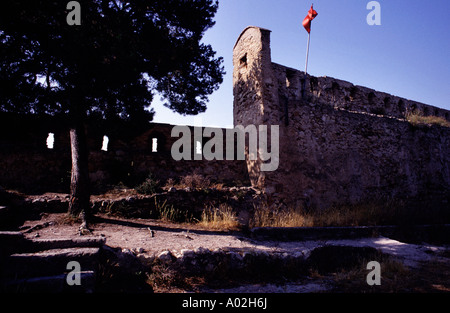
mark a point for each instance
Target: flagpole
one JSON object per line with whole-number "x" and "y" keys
{"x": 307, "y": 53}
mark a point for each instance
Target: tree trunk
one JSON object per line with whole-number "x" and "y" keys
{"x": 79, "y": 205}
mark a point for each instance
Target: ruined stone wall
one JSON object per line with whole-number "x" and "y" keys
{"x": 28, "y": 165}
{"x": 339, "y": 143}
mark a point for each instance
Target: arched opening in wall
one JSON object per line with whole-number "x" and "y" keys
{"x": 313, "y": 84}
{"x": 353, "y": 91}
{"x": 335, "y": 91}
{"x": 243, "y": 61}
{"x": 290, "y": 78}
{"x": 105, "y": 143}
{"x": 154, "y": 144}
{"x": 50, "y": 140}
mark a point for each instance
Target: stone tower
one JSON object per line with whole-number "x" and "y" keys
{"x": 251, "y": 78}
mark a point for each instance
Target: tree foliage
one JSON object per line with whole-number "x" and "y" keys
{"x": 113, "y": 63}
{"x": 108, "y": 67}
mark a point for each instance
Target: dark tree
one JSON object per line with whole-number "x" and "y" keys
{"x": 110, "y": 66}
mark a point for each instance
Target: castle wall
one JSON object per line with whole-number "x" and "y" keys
{"x": 339, "y": 143}
{"x": 28, "y": 165}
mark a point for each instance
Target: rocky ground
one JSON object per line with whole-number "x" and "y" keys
{"x": 143, "y": 254}
{"x": 164, "y": 246}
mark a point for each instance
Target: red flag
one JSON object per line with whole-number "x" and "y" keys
{"x": 307, "y": 20}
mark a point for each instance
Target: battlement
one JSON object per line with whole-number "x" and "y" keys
{"x": 341, "y": 94}
{"x": 339, "y": 142}
{"x": 252, "y": 62}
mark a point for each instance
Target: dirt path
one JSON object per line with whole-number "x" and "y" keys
{"x": 151, "y": 237}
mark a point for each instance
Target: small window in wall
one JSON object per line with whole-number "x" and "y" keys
{"x": 105, "y": 143}
{"x": 290, "y": 75}
{"x": 198, "y": 147}
{"x": 243, "y": 61}
{"x": 154, "y": 144}
{"x": 313, "y": 83}
{"x": 50, "y": 140}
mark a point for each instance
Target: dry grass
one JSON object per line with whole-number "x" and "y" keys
{"x": 417, "y": 119}
{"x": 431, "y": 277}
{"x": 193, "y": 181}
{"x": 263, "y": 216}
{"x": 67, "y": 219}
{"x": 364, "y": 214}
{"x": 149, "y": 186}
{"x": 221, "y": 218}
{"x": 395, "y": 277}
{"x": 165, "y": 279}
{"x": 169, "y": 213}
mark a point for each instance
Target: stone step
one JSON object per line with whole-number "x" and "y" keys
{"x": 4, "y": 212}
{"x": 64, "y": 243}
{"x": 55, "y": 283}
{"x": 6, "y": 236}
{"x": 49, "y": 262}
{"x": 12, "y": 241}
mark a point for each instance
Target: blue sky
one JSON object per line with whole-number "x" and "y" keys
{"x": 408, "y": 55}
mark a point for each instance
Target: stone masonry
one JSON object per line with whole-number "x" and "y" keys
{"x": 29, "y": 166}
{"x": 339, "y": 143}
